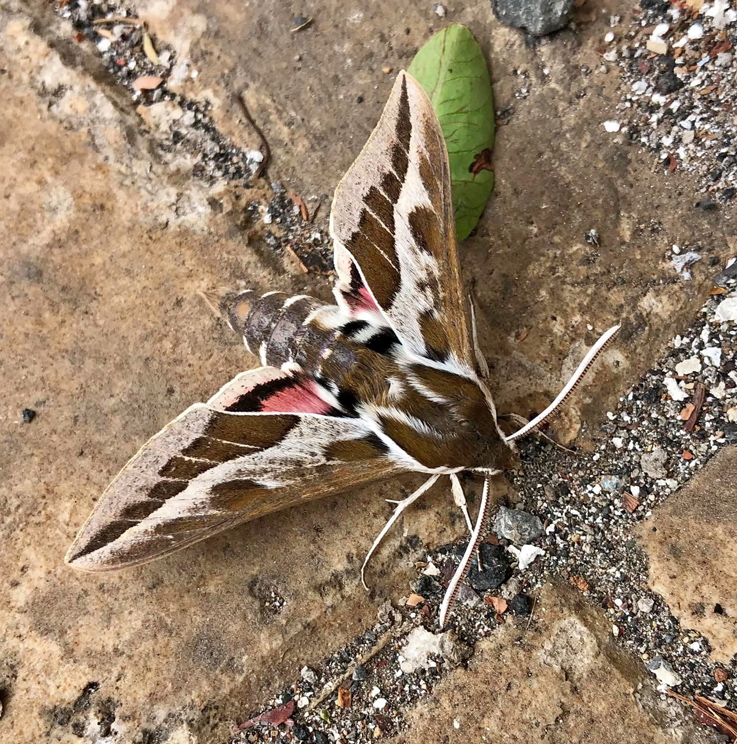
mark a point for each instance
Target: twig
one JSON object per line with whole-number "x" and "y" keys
{"x": 296, "y": 259}
{"x": 264, "y": 142}
{"x": 300, "y": 202}
{"x": 117, "y": 19}
{"x": 331, "y": 687}
{"x": 522, "y": 420}
{"x": 532, "y": 612}
{"x": 314, "y": 214}
{"x": 698, "y": 401}
{"x": 709, "y": 710}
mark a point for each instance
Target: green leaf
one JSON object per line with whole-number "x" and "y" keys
{"x": 452, "y": 70}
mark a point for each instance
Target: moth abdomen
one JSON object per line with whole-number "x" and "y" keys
{"x": 273, "y": 325}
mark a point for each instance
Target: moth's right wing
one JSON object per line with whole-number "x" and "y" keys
{"x": 393, "y": 227}
{"x": 210, "y": 470}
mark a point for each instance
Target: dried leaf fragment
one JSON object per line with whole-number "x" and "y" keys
{"x": 686, "y": 411}
{"x": 687, "y": 455}
{"x": 631, "y": 502}
{"x": 147, "y": 82}
{"x": 149, "y": 50}
{"x": 275, "y": 716}
{"x": 720, "y": 675}
{"x": 579, "y": 582}
{"x": 344, "y": 697}
{"x": 481, "y": 161}
{"x": 414, "y": 600}
{"x": 717, "y": 290}
{"x": 498, "y": 603}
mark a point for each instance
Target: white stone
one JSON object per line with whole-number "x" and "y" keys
{"x": 713, "y": 354}
{"x": 639, "y": 87}
{"x": 611, "y": 126}
{"x": 727, "y": 309}
{"x": 675, "y": 392}
{"x": 688, "y": 366}
{"x": 526, "y": 555}
{"x": 420, "y": 645}
{"x": 661, "y": 30}
{"x": 696, "y": 31}
{"x": 609, "y": 38}
{"x": 380, "y": 703}
{"x": 719, "y": 391}
{"x": 645, "y": 605}
{"x": 431, "y": 570}
{"x": 663, "y": 672}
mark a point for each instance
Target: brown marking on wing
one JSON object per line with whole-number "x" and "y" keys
{"x": 400, "y": 161}
{"x": 353, "y": 450}
{"x": 215, "y": 450}
{"x": 237, "y": 494}
{"x": 435, "y": 337}
{"x": 270, "y": 431}
{"x": 166, "y": 489}
{"x": 129, "y": 515}
{"x": 429, "y": 179}
{"x": 425, "y": 229}
{"x": 381, "y": 207}
{"x": 404, "y": 117}
{"x": 182, "y": 468}
{"x": 391, "y": 186}
{"x": 373, "y": 246}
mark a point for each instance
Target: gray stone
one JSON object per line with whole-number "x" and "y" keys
{"x": 653, "y": 463}
{"x": 663, "y": 671}
{"x": 516, "y": 525}
{"x": 537, "y": 17}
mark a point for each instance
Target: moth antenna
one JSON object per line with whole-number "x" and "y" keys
{"x": 465, "y": 563}
{"x": 571, "y": 385}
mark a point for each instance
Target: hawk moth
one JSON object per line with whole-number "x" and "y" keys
{"x": 387, "y": 380}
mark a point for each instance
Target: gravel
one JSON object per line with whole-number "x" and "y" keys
{"x": 678, "y": 70}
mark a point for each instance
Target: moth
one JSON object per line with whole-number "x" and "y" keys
{"x": 387, "y": 380}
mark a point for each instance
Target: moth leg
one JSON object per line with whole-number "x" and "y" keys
{"x": 460, "y": 501}
{"x": 522, "y": 421}
{"x": 401, "y": 506}
{"x": 480, "y": 358}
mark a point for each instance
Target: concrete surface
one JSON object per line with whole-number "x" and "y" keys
{"x": 105, "y": 245}
{"x": 690, "y": 541}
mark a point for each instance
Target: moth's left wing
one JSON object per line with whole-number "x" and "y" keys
{"x": 394, "y": 230}
{"x": 211, "y": 469}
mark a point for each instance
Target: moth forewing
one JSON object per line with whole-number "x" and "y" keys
{"x": 393, "y": 214}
